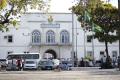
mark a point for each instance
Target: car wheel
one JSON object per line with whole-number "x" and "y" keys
{"x": 24, "y": 69}
{"x": 7, "y": 69}
{"x": 39, "y": 68}
{"x": 50, "y": 68}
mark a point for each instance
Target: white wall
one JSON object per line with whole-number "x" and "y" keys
{"x": 33, "y": 21}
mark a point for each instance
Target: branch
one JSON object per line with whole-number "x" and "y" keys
{"x": 7, "y": 15}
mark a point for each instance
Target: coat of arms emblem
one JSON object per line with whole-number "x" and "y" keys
{"x": 50, "y": 19}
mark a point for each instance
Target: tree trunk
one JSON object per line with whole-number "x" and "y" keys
{"x": 106, "y": 49}
{"x": 119, "y": 46}
{"x": 108, "y": 64}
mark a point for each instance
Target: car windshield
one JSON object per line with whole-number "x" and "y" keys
{"x": 46, "y": 62}
{"x": 15, "y": 56}
{"x": 32, "y": 56}
{"x": 29, "y": 62}
{"x": 67, "y": 62}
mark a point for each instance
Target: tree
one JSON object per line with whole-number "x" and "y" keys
{"x": 103, "y": 15}
{"x": 85, "y": 5}
{"x": 118, "y": 30}
{"x": 10, "y": 10}
{"x": 107, "y": 18}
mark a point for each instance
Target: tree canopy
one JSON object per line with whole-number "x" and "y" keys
{"x": 99, "y": 15}
{"x": 10, "y": 10}
{"x": 107, "y": 18}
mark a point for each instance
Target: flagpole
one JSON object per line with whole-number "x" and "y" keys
{"x": 119, "y": 25}
{"x": 84, "y": 28}
{"x": 93, "y": 41}
{"x": 72, "y": 53}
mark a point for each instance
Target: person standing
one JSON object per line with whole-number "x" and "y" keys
{"x": 109, "y": 63}
{"x": 82, "y": 63}
{"x": 19, "y": 64}
{"x": 114, "y": 61}
{"x": 103, "y": 62}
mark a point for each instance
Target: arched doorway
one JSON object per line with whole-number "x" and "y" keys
{"x": 51, "y": 52}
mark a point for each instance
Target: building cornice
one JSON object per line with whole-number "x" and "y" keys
{"x": 46, "y": 21}
{"x": 47, "y": 13}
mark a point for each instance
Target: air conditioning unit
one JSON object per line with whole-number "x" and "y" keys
{"x": 5, "y": 37}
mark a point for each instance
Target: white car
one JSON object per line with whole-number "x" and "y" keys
{"x": 30, "y": 64}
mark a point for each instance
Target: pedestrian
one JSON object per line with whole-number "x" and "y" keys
{"x": 114, "y": 61}
{"x": 108, "y": 62}
{"x": 19, "y": 64}
{"x": 82, "y": 63}
{"x": 103, "y": 62}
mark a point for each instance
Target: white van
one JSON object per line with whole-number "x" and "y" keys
{"x": 12, "y": 60}
{"x": 31, "y": 61}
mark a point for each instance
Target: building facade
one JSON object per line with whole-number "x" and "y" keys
{"x": 59, "y": 34}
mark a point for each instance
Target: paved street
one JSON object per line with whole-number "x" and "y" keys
{"x": 63, "y": 75}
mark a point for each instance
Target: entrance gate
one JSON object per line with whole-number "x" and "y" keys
{"x": 51, "y": 52}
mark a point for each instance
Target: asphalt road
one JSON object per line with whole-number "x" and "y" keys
{"x": 63, "y": 75}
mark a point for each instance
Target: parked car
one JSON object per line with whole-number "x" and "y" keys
{"x": 30, "y": 64}
{"x": 66, "y": 65}
{"x": 3, "y": 64}
{"x": 46, "y": 65}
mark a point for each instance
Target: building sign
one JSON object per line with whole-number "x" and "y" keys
{"x": 50, "y": 25}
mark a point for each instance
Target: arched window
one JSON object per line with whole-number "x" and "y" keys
{"x": 50, "y": 37}
{"x": 36, "y": 36}
{"x": 64, "y": 37}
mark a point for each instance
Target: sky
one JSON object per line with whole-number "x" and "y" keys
{"x": 114, "y": 2}
{"x": 61, "y": 5}
{"x": 64, "y": 5}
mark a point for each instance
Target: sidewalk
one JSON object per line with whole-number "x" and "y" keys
{"x": 92, "y": 69}
{"x": 84, "y": 68}
{"x": 91, "y": 74}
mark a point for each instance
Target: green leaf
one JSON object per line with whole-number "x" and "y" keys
{"x": 14, "y": 22}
